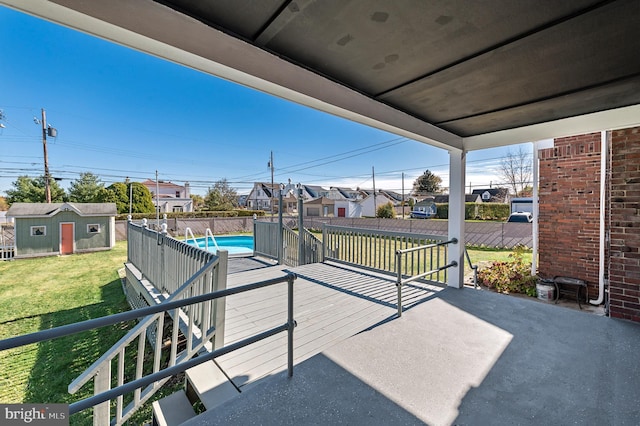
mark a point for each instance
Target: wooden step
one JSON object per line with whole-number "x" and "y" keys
{"x": 209, "y": 384}
{"x": 172, "y": 410}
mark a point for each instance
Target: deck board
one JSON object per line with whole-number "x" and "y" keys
{"x": 331, "y": 303}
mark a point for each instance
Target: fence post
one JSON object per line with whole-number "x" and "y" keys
{"x": 399, "y": 282}
{"x": 301, "y": 255}
{"x": 102, "y": 383}
{"x": 280, "y": 228}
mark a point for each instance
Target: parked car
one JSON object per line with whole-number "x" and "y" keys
{"x": 522, "y": 217}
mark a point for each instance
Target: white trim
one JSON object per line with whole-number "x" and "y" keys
{"x": 620, "y": 118}
{"x": 457, "y": 171}
{"x": 31, "y": 229}
{"x": 89, "y": 231}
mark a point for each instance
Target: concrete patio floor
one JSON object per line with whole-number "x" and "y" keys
{"x": 463, "y": 357}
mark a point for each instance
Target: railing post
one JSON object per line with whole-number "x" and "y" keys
{"x": 280, "y": 227}
{"x": 102, "y": 383}
{"x": 301, "y": 255}
{"x": 292, "y": 324}
{"x": 220, "y": 303}
{"x": 399, "y": 282}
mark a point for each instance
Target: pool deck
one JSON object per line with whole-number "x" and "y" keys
{"x": 460, "y": 357}
{"x": 331, "y": 303}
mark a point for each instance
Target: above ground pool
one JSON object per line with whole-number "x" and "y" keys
{"x": 234, "y": 244}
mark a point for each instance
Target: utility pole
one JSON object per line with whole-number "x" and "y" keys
{"x": 47, "y": 187}
{"x": 271, "y": 189}
{"x": 403, "y": 195}
{"x": 375, "y": 204}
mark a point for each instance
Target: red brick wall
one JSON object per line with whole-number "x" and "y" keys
{"x": 624, "y": 267}
{"x": 569, "y": 220}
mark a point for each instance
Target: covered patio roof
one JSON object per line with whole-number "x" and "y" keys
{"x": 456, "y": 75}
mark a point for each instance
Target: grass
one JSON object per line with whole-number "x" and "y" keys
{"x": 42, "y": 293}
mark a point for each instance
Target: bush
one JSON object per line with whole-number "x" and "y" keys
{"x": 512, "y": 276}
{"x": 484, "y": 211}
{"x": 386, "y": 211}
{"x": 194, "y": 215}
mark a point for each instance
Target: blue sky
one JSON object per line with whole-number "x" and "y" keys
{"x": 123, "y": 113}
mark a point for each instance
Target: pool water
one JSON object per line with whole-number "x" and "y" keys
{"x": 234, "y": 244}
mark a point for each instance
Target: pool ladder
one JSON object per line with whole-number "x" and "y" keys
{"x": 188, "y": 233}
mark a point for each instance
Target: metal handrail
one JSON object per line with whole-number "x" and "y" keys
{"x": 70, "y": 329}
{"x": 473, "y": 267}
{"x": 400, "y": 281}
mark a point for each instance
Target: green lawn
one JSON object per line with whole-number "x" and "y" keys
{"x": 37, "y": 294}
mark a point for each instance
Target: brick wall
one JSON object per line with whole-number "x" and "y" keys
{"x": 624, "y": 267}
{"x": 569, "y": 220}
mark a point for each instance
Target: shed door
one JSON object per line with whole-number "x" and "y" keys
{"x": 342, "y": 212}
{"x": 66, "y": 238}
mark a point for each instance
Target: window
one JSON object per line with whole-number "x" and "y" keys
{"x": 177, "y": 209}
{"x": 177, "y": 194}
{"x": 93, "y": 228}
{"x": 37, "y": 231}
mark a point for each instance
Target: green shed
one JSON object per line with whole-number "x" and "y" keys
{"x": 49, "y": 229}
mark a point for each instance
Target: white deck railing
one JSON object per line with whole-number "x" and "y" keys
{"x": 194, "y": 328}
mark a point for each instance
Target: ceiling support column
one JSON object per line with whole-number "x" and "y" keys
{"x": 457, "y": 172}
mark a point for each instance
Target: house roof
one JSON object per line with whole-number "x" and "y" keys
{"x": 51, "y": 209}
{"x": 498, "y": 195}
{"x": 321, "y": 201}
{"x": 161, "y": 184}
{"x": 457, "y": 75}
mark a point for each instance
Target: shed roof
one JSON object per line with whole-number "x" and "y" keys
{"x": 51, "y": 209}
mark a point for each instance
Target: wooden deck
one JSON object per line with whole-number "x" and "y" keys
{"x": 331, "y": 303}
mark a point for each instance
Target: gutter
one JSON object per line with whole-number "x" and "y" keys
{"x": 603, "y": 180}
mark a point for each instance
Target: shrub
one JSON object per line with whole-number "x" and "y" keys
{"x": 386, "y": 211}
{"x": 512, "y": 276}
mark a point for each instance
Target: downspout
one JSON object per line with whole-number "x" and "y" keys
{"x": 603, "y": 186}
{"x": 536, "y": 210}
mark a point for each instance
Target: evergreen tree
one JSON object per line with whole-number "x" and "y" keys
{"x": 427, "y": 183}
{"x": 142, "y": 199}
{"x": 85, "y": 189}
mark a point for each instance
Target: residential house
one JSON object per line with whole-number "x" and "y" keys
{"x": 340, "y": 193}
{"x": 320, "y": 207}
{"x": 492, "y": 195}
{"x": 426, "y": 206}
{"x": 264, "y": 196}
{"x": 171, "y": 197}
{"x": 347, "y": 208}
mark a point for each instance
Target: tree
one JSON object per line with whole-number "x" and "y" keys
{"x": 31, "y": 190}
{"x": 386, "y": 211}
{"x": 515, "y": 169}
{"x": 142, "y": 199}
{"x": 221, "y": 196}
{"x": 427, "y": 183}
{"x": 3, "y": 204}
{"x": 118, "y": 193}
{"x": 198, "y": 202}
{"x": 85, "y": 189}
